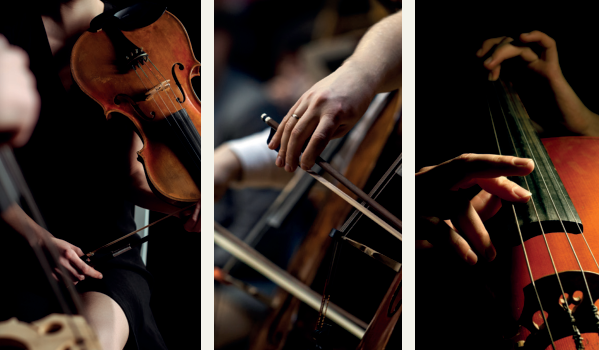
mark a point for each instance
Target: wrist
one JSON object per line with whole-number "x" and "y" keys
{"x": 368, "y": 79}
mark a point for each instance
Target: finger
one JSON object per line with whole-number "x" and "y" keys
{"x": 319, "y": 141}
{"x": 494, "y": 73}
{"x": 453, "y": 173}
{"x": 300, "y": 133}
{"x": 276, "y": 139}
{"x": 442, "y": 235}
{"x": 544, "y": 40}
{"x": 509, "y": 51}
{"x": 471, "y": 226}
{"x": 505, "y": 189}
{"x": 82, "y": 267}
{"x": 488, "y": 45}
{"x": 486, "y": 205}
{"x": 66, "y": 263}
{"x": 282, "y": 157}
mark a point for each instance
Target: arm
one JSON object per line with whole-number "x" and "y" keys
{"x": 19, "y": 98}
{"x": 333, "y": 105}
{"x": 246, "y": 162}
{"x": 577, "y": 117}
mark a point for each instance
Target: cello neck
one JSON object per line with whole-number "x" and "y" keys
{"x": 515, "y": 136}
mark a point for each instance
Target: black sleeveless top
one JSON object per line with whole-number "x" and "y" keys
{"x": 76, "y": 165}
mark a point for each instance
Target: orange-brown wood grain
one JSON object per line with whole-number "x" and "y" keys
{"x": 307, "y": 260}
{"x": 577, "y": 163}
{"x": 93, "y": 65}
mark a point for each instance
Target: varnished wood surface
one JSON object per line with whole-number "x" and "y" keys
{"x": 166, "y": 42}
{"x": 306, "y": 261}
{"x": 576, "y": 160}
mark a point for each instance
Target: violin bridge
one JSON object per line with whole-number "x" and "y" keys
{"x": 163, "y": 86}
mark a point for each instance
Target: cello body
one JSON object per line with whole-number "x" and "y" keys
{"x": 575, "y": 159}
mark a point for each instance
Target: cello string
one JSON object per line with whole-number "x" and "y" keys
{"x": 577, "y": 336}
{"x": 535, "y": 207}
{"x": 518, "y": 227}
{"x": 558, "y": 215}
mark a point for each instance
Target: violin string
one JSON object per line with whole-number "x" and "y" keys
{"x": 577, "y": 337}
{"x": 557, "y": 212}
{"x": 194, "y": 143}
{"x": 520, "y": 233}
{"x": 144, "y": 84}
{"x": 193, "y": 146}
{"x": 150, "y": 81}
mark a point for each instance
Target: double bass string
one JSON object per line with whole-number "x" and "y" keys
{"x": 520, "y": 233}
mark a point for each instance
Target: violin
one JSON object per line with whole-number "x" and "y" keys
{"x": 145, "y": 74}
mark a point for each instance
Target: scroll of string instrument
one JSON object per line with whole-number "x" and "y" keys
{"x": 145, "y": 74}
{"x": 554, "y": 238}
{"x": 307, "y": 263}
{"x": 56, "y": 331}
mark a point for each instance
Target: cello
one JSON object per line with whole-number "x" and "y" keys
{"x": 274, "y": 332}
{"x": 540, "y": 291}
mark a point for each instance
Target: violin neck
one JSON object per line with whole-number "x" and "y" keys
{"x": 550, "y": 203}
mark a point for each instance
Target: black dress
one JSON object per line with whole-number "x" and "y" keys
{"x": 77, "y": 169}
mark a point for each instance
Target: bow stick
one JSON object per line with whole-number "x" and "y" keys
{"x": 282, "y": 278}
{"x": 122, "y": 249}
{"x": 395, "y": 231}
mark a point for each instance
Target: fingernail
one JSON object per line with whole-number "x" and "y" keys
{"x": 287, "y": 167}
{"x": 471, "y": 258}
{"x": 525, "y": 33}
{"x": 101, "y": 276}
{"x": 305, "y": 167}
{"x": 521, "y": 193}
{"x": 491, "y": 76}
{"x": 521, "y": 161}
{"x": 279, "y": 161}
{"x": 293, "y": 168}
{"x": 491, "y": 253}
{"x": 270, "y": 145}
{"x": 479, "y": 52}
{"x": 489, "y": 60}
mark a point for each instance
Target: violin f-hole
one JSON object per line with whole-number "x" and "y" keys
{"x": 181, "y": 67}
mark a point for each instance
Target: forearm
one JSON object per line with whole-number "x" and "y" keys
{"x": 16, "y": 218}
{"x": 378, "y": 56}
{"x": 577, "y": 117}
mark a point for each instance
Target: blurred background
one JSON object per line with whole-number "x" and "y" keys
{"x": 267, "y": 54}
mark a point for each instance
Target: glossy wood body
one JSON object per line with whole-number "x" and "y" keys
{"x": 577, "y": 163}
{"x": 306, "y": 262}
{"x": 94, "y": 68}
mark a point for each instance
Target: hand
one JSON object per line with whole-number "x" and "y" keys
{"x": 546, "y": 65}
{"x": 68, "y": 257}
{"x": 438, "y": 200}
{"x": 192, "y": 218}
{"x": 328, "y": 110}
{"x": 19, "y": 98}
{"x": 227, "y": 169}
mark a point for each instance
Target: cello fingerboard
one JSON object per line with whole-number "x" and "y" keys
{"x": 550, "y": 208}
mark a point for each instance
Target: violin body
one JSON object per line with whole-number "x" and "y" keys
{"x": 145, "y": 74}
{"x": 575, "y": 159}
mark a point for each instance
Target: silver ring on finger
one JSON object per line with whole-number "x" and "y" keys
{"x": 295, "y": 116}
